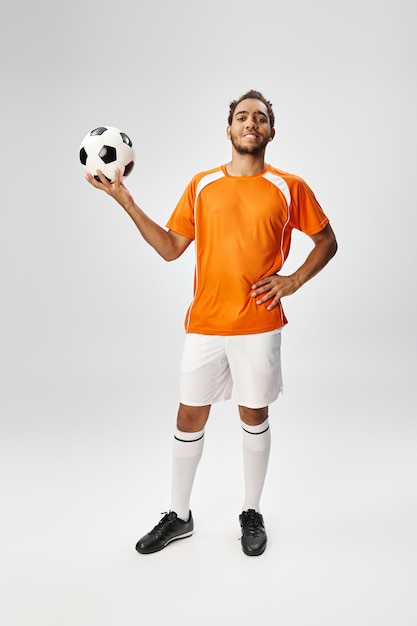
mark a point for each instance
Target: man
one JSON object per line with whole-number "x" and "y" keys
{"x": 240, "y": 216}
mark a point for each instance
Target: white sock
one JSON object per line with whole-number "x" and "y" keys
{"x": 186, "y": 454}
{"x": 256, "y": 443}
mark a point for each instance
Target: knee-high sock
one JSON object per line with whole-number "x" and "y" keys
{"x": 256, "y": 443}
{"x": 186, "y": 454}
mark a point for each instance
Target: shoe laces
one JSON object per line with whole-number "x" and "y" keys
{"x": 164, "y": 523}
{"x": 251, "y": 522}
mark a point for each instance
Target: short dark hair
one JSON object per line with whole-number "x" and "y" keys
{"x": 255, "y": 95}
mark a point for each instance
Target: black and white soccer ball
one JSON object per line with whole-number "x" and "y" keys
{"x": 108, "y": 149}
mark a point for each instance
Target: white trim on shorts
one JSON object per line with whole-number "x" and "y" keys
{"x": 246, "y": 368}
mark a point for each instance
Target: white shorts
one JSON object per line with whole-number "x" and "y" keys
{"x": 245, "y": 367}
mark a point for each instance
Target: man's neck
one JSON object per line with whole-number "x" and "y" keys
{"x": 246, "y": 164}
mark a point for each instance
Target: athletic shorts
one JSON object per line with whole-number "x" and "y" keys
{"x": 246, "y": 368}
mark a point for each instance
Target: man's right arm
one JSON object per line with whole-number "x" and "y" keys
{"x": 168, "y": 244}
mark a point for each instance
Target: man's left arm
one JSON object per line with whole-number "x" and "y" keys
{"x": 273, "y": 288}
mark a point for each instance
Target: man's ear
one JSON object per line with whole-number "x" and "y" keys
{"x": 228, "y": 132}
{"x": 272, "y": 134}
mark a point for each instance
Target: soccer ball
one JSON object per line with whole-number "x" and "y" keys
{"x": 107, "y": 149}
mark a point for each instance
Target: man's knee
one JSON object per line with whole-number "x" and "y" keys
{"x": 192, "y": 419}
{"x": 253, "y": 417}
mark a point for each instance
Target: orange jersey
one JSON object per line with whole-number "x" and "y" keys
{"x": 242, "y": 230}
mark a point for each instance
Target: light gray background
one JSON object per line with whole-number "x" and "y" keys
{"x": 91, "y": 318}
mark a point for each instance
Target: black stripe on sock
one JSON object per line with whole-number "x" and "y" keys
{"x": 188, "y": 440}
{"x": 250, "y": 433}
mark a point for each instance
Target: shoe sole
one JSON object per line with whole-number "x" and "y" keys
{"x": 159, "y": 548}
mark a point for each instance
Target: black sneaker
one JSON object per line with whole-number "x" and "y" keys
{"x": 253, "y": 538}
{"x": 168, "y": 529}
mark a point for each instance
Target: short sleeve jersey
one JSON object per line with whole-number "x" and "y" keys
{"x": 241, "y": 227}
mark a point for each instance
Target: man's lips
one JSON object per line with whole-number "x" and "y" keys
{"x": 250, "y": 136}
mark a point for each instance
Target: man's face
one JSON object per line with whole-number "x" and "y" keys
{"x": 250, "y": 130}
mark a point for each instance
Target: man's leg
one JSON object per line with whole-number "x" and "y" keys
{"x": 256, "y": 444}
{"x": 187, "y": 450}
{"x": 186, "y": 454}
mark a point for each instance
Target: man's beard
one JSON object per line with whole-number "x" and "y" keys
{"x": 248, "y": 149}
